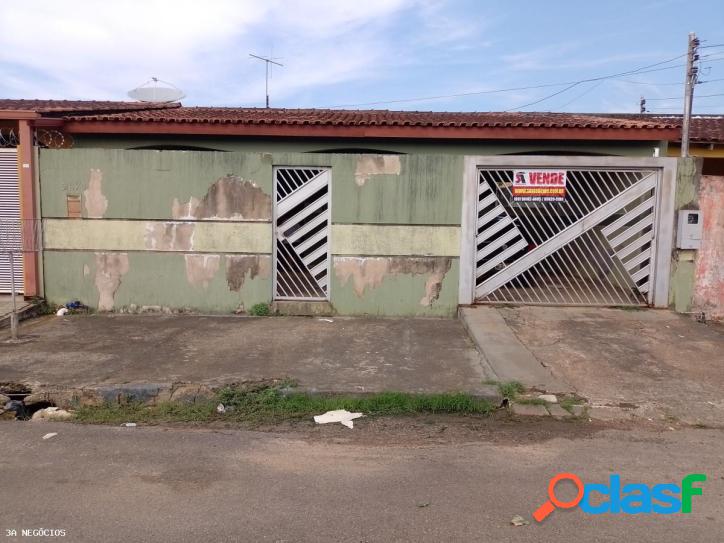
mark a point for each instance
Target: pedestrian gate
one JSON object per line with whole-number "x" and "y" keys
{"x": 301, "y": 226}
{"x": 594, "y": 243}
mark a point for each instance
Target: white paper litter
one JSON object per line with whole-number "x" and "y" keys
{"x": 325, "y": 320}
{"x": 51, "y": 434}
{"x": 129, "y": 424}
{"x": 221, "y": 408}
{"x": 62, "y": 311}
{"x": 340, "y": 415}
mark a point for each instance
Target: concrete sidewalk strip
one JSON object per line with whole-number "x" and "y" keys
{"x": 508, "y": 358}
{"x": 155, "y": 357}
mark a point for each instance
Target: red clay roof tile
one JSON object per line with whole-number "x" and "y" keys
{"x": 704, "y": 128}
{"x": 79, "y": 106}
{"x": 260, "y": 116}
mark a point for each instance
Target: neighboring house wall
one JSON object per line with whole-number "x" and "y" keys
{"x": 192, "y": 229}
{"x": 698, "y": 275}
{"x": 709, "y": 264}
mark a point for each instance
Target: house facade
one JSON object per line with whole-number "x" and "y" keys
{"x": 214, "y": 210}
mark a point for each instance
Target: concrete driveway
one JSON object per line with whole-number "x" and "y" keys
{"x": 340, "y": 354}
{"x": 650, "y": 364}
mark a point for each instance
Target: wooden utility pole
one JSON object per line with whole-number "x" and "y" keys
{"x": 691, "y": 75}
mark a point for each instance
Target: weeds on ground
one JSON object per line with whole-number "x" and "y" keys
{"x": 279, "y": 403}
{"x": 531, "y": 401}
{"x": 568, "y": 403}
{"x": 509, "y": 389}
{"x": 260, "y": 310}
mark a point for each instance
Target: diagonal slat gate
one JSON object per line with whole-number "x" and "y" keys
{"x": 594, "y": 246}
{"x": 301, "y": 225}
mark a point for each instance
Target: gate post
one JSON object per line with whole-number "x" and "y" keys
{"x": 468, "y": 221}
{"x": 665, "y": 231}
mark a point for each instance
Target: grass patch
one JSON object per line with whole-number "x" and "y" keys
{"x": 508, "y": 389}
{"x": 531, "y": 401}
{"x": 276, "y": 404}
{"x": 260, "y": 310}
{"x": 568, "y": 403}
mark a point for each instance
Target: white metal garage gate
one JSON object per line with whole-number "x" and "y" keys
{"x": 572, "y": 231}
{"x": 10, "y": 234}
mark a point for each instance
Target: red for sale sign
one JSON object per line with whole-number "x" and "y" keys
{"x": 539, "y": 185}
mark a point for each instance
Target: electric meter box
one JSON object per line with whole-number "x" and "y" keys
{"x": 688, "y": 234}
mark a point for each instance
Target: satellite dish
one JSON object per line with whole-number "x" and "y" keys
{"x": 155, "y": 90}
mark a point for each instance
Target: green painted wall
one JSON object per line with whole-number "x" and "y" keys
{"x": 683, "y": 260}
{"x": 145, "y": 194}
{"x": 158, "y": 188}
{"x": 398, "y": 295}
{"x": 307, "y": 145}
{"x": 142, "y": 184}
{"x": 153, "y": 279}
{"x": 145, "y": 184}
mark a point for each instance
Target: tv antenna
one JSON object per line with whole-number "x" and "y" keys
{"x": 267, "y": 61}
{"x": 151, "y": 91}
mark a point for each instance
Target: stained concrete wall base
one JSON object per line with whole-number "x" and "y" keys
{"x": 302, "y": 308}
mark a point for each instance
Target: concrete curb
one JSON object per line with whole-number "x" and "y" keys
{"x": 26, "y": 312}
{"x": 66, "y": 397}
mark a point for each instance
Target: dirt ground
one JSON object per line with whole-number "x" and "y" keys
{"x": 179, "y": 484}
{"x": 655, "y": 364}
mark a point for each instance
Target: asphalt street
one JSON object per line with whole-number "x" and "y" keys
{"x": 333, "y": 484}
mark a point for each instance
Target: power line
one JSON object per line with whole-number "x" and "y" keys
{"x": 570, "y": 84}
{"x": 634, "y": 71}
{"x": 681, "y": 97}
{"x": 647, "y": 83}
{"x": 679, "y": 108}
{"x": 584, "y": 93}
{"x": 600, "y": 78}
{"x": 544, "y": 98}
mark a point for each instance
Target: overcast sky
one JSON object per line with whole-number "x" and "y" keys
{"x": 353, "y": 53}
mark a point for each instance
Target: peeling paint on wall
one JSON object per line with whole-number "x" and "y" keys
{"x": 169, "y": 236}
{"x": 110, "y": 268}
{"x": 369, "y": 165}
{"x": 238, "y": 266}
{"x": 369, "y": 272}
{"x": 86, "y": 270}
{"x": 228, "y": 198}
{"x": 186, "y": 211}
{"x": 95, "y": 201}
{"x": 201, "y": 269}
{"x": 709, "y": 269}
